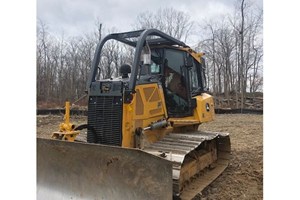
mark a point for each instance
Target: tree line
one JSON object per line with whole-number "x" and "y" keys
{"x": 233, "y": 45}
{"x": 63, "y": 65}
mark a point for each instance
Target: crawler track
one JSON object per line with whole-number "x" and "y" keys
{"x": 198, "y": 158}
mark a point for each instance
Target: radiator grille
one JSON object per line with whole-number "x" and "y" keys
{"x": 105, "y": 120}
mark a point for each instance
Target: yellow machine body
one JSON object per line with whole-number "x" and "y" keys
{"x": 148, "y": 106}
{"x": 143, "y": 131}
{"x": 66, "y": 129}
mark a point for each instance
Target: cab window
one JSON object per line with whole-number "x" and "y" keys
{"x": 176, "y": 88}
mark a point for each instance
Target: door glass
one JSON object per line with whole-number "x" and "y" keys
{"x": 194, "y": 79}
{"x": 175, "y": 83}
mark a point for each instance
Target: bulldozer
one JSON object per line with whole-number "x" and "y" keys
{"x": 143, "y": 129}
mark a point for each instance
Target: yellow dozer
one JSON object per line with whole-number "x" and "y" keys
{"x": 143, "y": 136}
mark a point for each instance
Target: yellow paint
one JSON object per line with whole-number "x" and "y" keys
{"x": 127, "y": 124}
{"x": 66, "y": 129}
{"x": 148, "y": 106}
{"x": 193, "y": 53}
{"x": 201, "y": 114}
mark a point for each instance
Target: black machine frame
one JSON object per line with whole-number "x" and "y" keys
{"x": 139, "y": 44}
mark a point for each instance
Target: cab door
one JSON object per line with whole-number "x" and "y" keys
{"x": 176, "y": 84}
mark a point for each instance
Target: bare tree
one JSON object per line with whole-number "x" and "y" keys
{"x": 242, "y": 65}
{"x": 62, "y": 65}
{"x": 235, "y": 51}
{"x": 233, "y": 46}
{"x": 173, "y": 22}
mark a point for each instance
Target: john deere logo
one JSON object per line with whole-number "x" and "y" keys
{"x": 207, "y": 107}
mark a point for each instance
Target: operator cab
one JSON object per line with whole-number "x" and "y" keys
{"x": 158, "y": 58}
{"x": 181, "y": 76}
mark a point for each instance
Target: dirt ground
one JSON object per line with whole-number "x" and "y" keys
{"x": 243, "y": 179}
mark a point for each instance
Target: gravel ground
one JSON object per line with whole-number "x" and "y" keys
{"x": 243, "y": 179}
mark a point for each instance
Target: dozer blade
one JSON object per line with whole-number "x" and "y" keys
{"x": 71, "y": 170}
{"x": 198, "y": 159}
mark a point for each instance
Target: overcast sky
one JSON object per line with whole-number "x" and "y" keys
{"x": 74, "y": 17}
